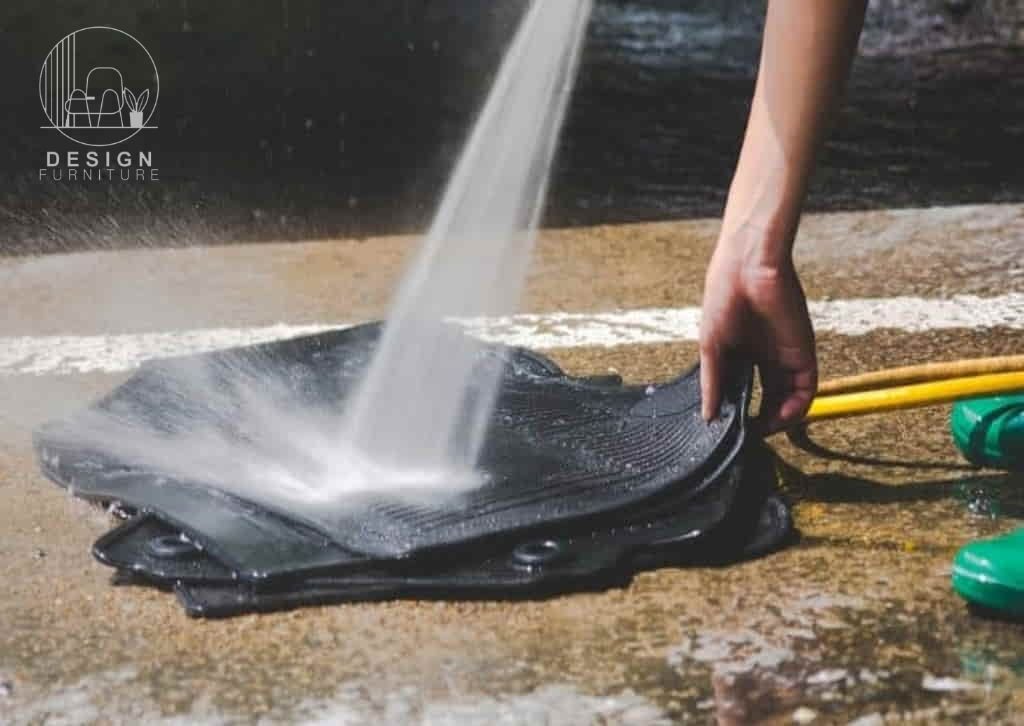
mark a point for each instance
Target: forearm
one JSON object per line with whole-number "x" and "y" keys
{"x": 805, "y": 59}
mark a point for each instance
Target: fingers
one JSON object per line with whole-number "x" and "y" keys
{"x": 786, "y": 358}
{"x": 787, "y": 395}
{"x": 721, "y": 325}
{"x": 793, "y": 410}
{"x": 710, "y": 378}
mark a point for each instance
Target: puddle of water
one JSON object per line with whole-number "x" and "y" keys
{"x": 112, "y": 696}
{"x": 993, "y": 497}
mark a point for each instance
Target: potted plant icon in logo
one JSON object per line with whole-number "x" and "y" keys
{"x": 136, "y": 105}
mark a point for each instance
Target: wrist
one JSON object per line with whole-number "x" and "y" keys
{"x": 761, "y": 216}
{"x": 757, "y": 243}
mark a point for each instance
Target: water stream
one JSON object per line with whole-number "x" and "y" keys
{"x": 426, "y": 400}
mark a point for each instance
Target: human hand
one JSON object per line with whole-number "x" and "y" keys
{"x": 757, "y": 306}
{"x": 753, "y": 301}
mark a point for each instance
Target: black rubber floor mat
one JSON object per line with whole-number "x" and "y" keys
{"x": 586, "y": 481}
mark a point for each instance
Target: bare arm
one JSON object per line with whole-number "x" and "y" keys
{"x": 753, "y": 300}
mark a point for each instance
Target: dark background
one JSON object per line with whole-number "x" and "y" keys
{"x": 288, "y": 119}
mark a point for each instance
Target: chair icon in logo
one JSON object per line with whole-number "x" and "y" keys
{"x": 103, "y": 97}
{"x": 103, "y": 110}
{"x": 77, "y": 105}
{"x": 107, "y": 85}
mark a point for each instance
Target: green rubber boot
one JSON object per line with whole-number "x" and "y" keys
{"x": 990, "y": 573}
{"x": 990, "y": 431}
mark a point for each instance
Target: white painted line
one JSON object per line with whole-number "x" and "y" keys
{"x": 67, "y": 354}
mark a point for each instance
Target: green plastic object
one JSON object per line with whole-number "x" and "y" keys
{"x": 990, "y": 431}
{"x": 990, "y": 573}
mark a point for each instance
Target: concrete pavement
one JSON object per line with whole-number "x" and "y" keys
{"x": 857, "y": 621}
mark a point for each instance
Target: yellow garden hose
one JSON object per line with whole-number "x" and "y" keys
{"x": 922, "y": 374}
{"x": 913, "y": 395}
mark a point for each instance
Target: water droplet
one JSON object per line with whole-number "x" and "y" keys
{"x": 982, "y": 504}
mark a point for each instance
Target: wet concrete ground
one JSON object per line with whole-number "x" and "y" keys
{"x": 856, "y": 622}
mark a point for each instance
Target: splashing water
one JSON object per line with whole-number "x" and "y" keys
{"x": 416, "y": 421}
{"x": 426, "y": 400}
